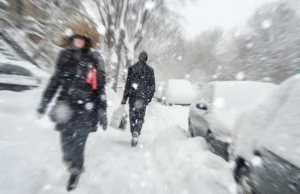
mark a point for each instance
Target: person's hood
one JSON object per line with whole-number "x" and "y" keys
{"x": 143, "y": 57}
{"x": 84, "y": 30}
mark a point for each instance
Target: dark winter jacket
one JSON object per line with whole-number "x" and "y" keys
{"x": 73, "y": 64}
{"x": 140, "y": 82}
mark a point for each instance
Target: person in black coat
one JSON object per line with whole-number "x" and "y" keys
{"x": 139, "y": 89}
{"x": 79, "y": 80}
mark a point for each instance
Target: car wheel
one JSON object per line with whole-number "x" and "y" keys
{"x": 242, "y": 177}
{"x": 210, "y": 140}
{"x": 191, "y": 130}
{"x": 245, "y": 181}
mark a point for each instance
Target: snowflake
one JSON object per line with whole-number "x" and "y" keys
{"x": 143, "y": 184}
{"x": 266, "y": 24}
{"x": 68, "y": 32}
{"x": 215, "y": 76}
{"x": 249, "y": 45}
{"x": 256, "y": 161}
{"x": 149, "y": 5}
{"x": 89, "y": 106}
{"x": 135, "y": 85}
{"x": 240, "y": 76}
{"x": 101, "y": 29}
{"x": 133, "y": 17}
{"x": 179, "y": 58}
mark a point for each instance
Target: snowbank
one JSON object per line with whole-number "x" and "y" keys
{"x": 165, "y": 162}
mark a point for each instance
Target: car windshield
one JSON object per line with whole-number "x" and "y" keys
{"x": 9, "y": 69}
{"x": 239, "y": 95}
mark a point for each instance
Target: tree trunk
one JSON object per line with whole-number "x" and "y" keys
{"x": 115, "y": 85}
{"x": 19, "y": 12}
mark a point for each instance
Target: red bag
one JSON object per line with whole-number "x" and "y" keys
{"x": 92, "y": 78}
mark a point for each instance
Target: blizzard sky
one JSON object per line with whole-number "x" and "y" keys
{"x": 204, "y": 14}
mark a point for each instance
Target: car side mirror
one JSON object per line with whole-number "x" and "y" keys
{"x": 202, "y": 106}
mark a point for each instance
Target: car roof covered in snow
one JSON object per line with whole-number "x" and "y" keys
{"x": 250, "y": 85}
{"x": 274, "y": 124}
{"x": 240, "y": 95}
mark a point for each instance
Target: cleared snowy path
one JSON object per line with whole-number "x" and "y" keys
{"x": 166, "y": 161}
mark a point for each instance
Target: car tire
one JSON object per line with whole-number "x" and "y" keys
{"x": 191, "y": 130}
{"x": 242, "y": 176}
{"x": 209, "y": 140}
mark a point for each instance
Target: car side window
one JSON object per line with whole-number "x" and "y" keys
{"x": 14, "y": 70}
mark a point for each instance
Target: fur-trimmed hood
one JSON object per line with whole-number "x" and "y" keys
{"x": 80, "y": 29}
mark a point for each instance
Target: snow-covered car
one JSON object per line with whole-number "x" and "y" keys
{"x": 16, "y": 72}
{"x": 266, "y": 147}
{"x": 159, "y": 91}
{"x": 178, "y": 92}
{"x": 216, "y": 109}
{"x": 18, "y": 77}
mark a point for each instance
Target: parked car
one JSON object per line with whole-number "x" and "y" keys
{"x": 266, "y": 147}
{"x": 217, "y": 106}
{"x": 18, "y": 77}
{"x": 17, "y": 73}
{"x": 159, "y": 91}
{"x": 178, "y": 92}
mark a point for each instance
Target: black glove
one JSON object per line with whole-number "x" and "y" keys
{"x": 41, "y": 111}
{"x": 103, "y": 120}
{"x": 123, "y": 102}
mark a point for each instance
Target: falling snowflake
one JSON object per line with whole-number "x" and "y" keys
{"x": 266, "y": 24}
{"x": 215, "y": 76}
{"x": 219, "y": 102}
{"x": 103, "y": 97}
{"x": 68, "y": 32}
{"x": 256, "y": 161}
{"x": 240, "y": 76}
{"x": 125, "y": 70}
{"x": 149, "y": 5}
{"x": 80, "y": 102}
{"x": 147, "y": 155}
{"x": 47, "y": 187}
{"x": 89, "y": 106}
{"x": 135, "y": 86}
{"x": 143, "y": 184}
{"x": 179, "y": 58}
{"x": 249, "y": 45}
{"x": 133, "y": 17}
{"x": 101, "y": 30}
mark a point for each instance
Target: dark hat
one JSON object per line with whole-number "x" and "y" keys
{"x": 143, "y": 56}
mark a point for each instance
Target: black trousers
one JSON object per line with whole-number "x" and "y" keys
{"x": 137, "y": 111}
{"x": 73, "y": 145}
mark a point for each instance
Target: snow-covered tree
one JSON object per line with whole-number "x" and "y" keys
{"x": 124, "y": 22}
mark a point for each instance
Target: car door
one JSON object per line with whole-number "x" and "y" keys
{"x": 198, "y": 115}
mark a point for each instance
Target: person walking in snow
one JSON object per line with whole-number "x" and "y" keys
{"x": 79, "y": 80}
{"x": 139, "y": 89}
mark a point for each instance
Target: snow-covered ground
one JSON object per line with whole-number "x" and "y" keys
{"x": 166, "y": 161}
